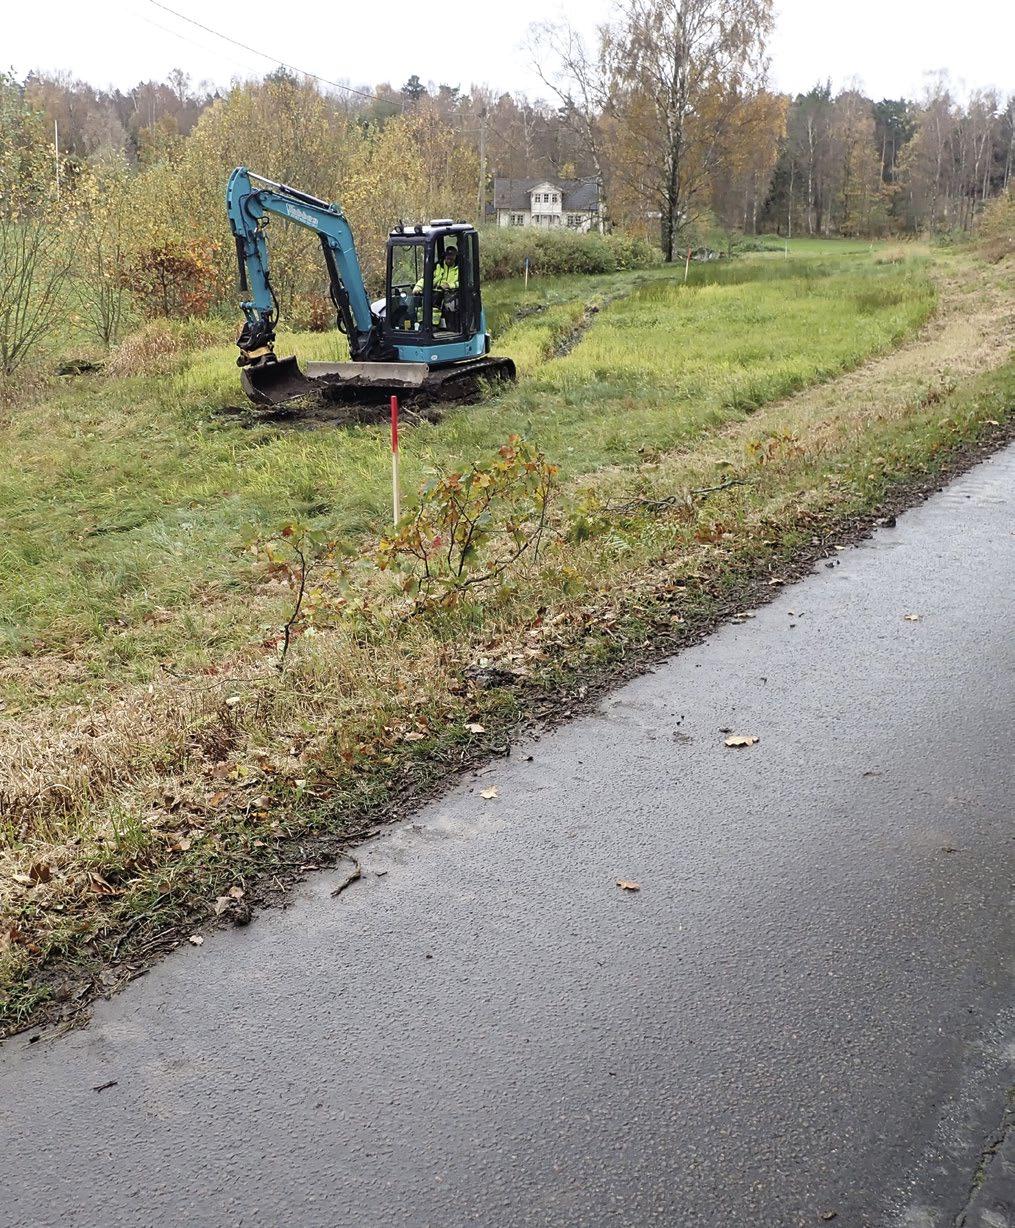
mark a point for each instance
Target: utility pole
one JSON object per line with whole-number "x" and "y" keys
{"x": 481, "y": 196}
{"x": 789, "y": 211}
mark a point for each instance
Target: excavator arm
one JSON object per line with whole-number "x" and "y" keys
{"x": 250, "y": 201}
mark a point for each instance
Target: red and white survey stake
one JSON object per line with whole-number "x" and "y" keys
{"x": 396, "y": 501}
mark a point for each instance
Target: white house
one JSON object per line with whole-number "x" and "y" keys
{"x": 574, "y": 203}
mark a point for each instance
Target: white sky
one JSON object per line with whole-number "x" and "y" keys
{"x": 888, "y": 46}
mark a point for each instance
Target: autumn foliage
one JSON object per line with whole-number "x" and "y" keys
{"x": 174, "y": 279}
{"x": 472, "y": 525}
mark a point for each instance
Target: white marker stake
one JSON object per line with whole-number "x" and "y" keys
{"x": 687, "y": 264}
{"x": 396, "y": 501}
{"x": 526, "y": 272}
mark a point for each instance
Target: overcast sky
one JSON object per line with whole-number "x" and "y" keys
{"x": 888, "y": 46}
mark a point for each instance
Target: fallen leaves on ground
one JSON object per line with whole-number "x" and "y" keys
{"x": 475, "y": 727}
{"x": 196, "y": 940}
{"x": 99, "y": 886}
{"x": 911, "y": 618}
{"x": 742, "y": 739}
{"x": 489, "y": 794}
{"x": 625, "y": 885}
{"x": 230, "y": 897}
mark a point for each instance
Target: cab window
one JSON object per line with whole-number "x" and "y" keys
{"x": 405, "y": 274}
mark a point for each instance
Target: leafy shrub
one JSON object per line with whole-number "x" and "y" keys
{"x": 503, "y": 251}
{"x": 312, "y": 313}
{"x": 174, "y": 279}
{"x": 954, "y": 237}
{"x": 756, "y": 243}
{"x": 34, "y": 262}
{"x": 996, "y": 236}
{"x": 472, "y": 524}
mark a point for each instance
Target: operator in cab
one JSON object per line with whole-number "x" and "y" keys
{"x": 445, "y": 280}
{"x": 445, "y": 275}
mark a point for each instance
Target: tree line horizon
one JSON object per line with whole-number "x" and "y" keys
{"x": 670, "y": 109}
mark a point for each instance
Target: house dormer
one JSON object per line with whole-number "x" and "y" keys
{"x": 545, "y": 198}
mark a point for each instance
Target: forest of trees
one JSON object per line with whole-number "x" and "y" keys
{"x": 671, "y": 111}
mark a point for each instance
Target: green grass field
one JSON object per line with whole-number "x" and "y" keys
{"x": 125, "y": 499}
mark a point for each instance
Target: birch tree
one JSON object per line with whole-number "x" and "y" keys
{"x": 680, "y": 73}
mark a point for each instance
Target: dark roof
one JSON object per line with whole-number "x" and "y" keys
{"x": 579, "y": 195}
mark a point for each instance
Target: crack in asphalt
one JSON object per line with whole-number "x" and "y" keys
{"x": 993, "y": 1145}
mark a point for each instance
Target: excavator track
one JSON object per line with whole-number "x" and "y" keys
{"x": 415, "y": 384}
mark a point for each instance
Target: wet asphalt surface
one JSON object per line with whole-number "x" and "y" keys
{"x": 805, "y": 1009}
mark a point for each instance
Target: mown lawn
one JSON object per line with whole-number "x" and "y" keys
{"x": 152, "y": 755}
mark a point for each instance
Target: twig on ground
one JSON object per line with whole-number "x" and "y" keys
{"x": 649, "y": 505}
{"x": 353, "y": 877}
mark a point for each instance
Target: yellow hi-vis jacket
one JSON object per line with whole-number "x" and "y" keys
{"x": 445, "y": 277}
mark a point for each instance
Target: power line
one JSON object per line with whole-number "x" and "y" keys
{"x": 265, "y": 56}
{"x": 372, "y": 97}
{"x": 184, "y": 39}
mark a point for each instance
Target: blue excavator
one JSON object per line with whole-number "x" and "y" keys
{"x": 425, "y": 340}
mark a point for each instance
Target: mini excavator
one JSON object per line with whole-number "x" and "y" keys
{"x": 425, "y": 340}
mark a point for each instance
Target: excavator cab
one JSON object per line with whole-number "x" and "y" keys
{"x": 421, "y": 307}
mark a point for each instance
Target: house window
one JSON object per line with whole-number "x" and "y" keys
{"x": 517, "y": 219}
{"x": 574, "y": 220}
{"x": 556, "y": 199}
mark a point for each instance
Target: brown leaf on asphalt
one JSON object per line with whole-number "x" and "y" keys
{"x": 196, "y": 940}
{"x": 911, "y": 618}
{"x": 625, "y": 885}
{"x": 489, "y": 794}
{"x": 742, "y": 739}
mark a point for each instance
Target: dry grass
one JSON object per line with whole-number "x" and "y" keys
{"x": 154, "y": 348}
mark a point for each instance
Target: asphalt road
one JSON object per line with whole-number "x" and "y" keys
{"x": 805, "y": 1009}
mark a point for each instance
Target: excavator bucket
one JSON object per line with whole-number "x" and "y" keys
{"x": 276, "y": 383}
